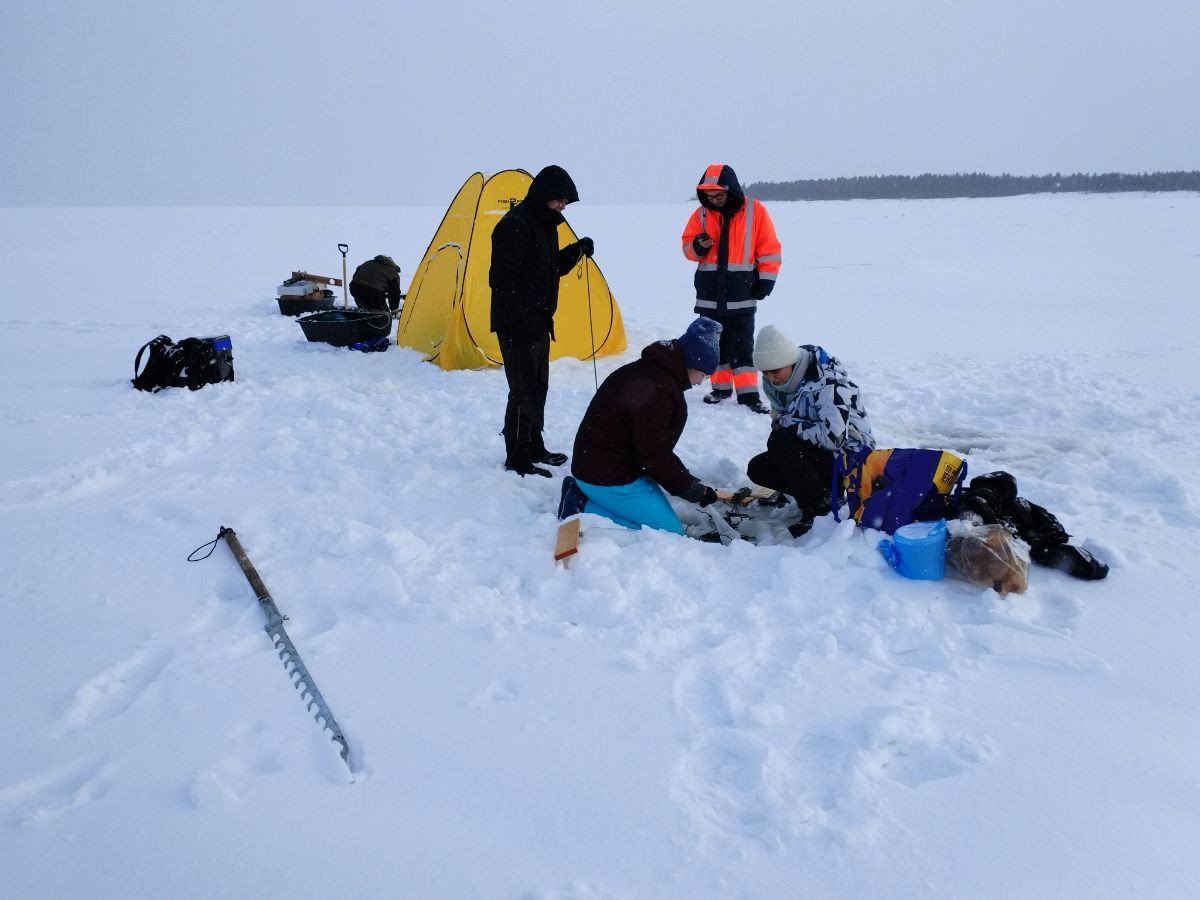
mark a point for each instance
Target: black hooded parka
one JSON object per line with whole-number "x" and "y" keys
{"x": 526, "y": 261}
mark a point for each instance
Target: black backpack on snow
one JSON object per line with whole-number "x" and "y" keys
{"x": 993, "y": 499}
{"x": 191, "y": 363}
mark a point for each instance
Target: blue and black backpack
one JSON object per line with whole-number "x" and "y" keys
{"x": 192, "y": 363}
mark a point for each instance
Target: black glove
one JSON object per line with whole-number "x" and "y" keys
{"x": 700, "y": 494}
{"x": 698, "y": 248}
{"x": 762, "y": 289}
{"x": 586, "y": 247}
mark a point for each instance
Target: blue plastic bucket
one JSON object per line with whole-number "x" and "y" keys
{"x": 918, "y": 550}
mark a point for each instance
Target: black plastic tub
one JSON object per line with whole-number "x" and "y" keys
{"x": 343, "y": 327}
{"x": 298, "y": 306}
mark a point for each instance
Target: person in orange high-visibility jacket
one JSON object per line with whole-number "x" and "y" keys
{"x": 732, "y": 240}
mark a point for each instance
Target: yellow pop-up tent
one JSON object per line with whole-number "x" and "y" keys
{"x": 447, "y": 311}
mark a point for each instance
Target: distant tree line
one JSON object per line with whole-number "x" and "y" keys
{"x": 975, "y": 184}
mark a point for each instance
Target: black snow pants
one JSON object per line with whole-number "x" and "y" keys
{"x": 797, "y": 467}
{"x": 527, "y": 368}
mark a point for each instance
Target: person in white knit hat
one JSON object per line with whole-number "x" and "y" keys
{"x": 816, "y": 413}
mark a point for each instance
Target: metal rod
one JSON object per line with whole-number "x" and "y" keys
{"x": 345, "y": 248}
{"x": 288, "y": 654}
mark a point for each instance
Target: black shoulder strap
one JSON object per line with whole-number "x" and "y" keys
{"x": 160, "y": 370}
{"x": 137, "y": 361}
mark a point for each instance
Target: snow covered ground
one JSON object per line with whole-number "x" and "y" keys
{"x": 660, "y": 718}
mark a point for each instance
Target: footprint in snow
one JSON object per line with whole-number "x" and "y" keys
{"x": 227, "y": 782}
{"x": 107, "y": 695}
{"x": 702, "y": 694}
{"x": 735, "y": 787}
{"x": 819, "y": 764}
{"x": 54, "y": 793}
{"x": 727, "y": 785}
{"x": 904, "y": 744}
{"x": 1035, "y": 629}
{"x": 495, "y": 693}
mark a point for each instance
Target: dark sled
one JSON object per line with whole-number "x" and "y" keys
{"x": 298, "y": 306}
{"x": 343, "y": 327}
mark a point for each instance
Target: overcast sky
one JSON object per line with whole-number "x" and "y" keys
{"x": 389, "y": 102}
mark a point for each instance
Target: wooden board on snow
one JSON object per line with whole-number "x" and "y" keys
{"x": 568, "y": 540}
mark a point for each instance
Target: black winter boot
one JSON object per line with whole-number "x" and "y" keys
{"x": 804, "y": 525}
{"x": 524, "y": 469}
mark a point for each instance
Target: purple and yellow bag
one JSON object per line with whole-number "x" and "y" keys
{"x": 886, "y": 489}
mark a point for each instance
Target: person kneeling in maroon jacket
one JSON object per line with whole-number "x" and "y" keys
{"x": 624, "y": 456}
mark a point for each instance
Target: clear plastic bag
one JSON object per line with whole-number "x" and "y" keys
{"x": 988, "y": 555}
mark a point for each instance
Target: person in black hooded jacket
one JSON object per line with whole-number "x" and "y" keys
{"x": 526, "y": 266}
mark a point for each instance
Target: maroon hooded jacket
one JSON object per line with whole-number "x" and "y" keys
{"x": 633, "y": 423}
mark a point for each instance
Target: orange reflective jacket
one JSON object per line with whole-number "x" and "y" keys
{"x": 741, "y": 266}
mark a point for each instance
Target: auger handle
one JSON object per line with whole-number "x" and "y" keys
{"x": 235, "y": 547}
